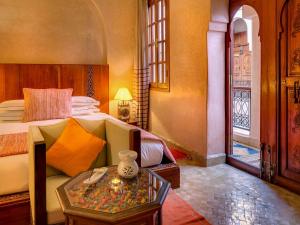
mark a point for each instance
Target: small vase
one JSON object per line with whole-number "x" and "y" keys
{"x": 128, "y": 168}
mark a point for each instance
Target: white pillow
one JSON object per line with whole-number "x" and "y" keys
{"x": 80, "y": 104}
{"x": 13, "y": 108}
{"x": 83, "y": 99}
{"x": 80, "y": 108}
{"x": 12, "y": 103}
{"x": 85, "y": 112}
{"x": 11, "y": 118}
{"x": 6, "y": 113}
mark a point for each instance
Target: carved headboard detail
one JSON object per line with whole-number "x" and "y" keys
{"x": 86, "y": 80}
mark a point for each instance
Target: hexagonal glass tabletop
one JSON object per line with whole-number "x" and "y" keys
{"x": 112, "y": 194}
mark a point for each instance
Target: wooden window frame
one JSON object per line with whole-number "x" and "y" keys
{"x": 165, "y": 58}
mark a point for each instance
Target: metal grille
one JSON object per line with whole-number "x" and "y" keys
{"x": 241, "y": 108}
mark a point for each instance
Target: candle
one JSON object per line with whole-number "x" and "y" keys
{"x": 116, "y": 184}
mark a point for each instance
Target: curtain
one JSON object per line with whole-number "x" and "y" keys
{"x": 141, "y": 81}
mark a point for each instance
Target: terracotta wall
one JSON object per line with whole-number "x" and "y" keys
{"x": 180, "y": 115}
{"x": 68, "y": 31}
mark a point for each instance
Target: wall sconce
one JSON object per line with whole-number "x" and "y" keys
{"x": 123, "y": 96}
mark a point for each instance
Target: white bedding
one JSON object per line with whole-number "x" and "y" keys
{"x": 14, "y": 169}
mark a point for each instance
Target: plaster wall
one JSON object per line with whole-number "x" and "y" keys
{"x": 216, "y": 81}
{"x": 71, "y": 32}
{"x": 180, "y": 115}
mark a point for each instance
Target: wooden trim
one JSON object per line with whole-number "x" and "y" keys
{"x": 43, "y": 76}
{"x": 288, "y": 184}
{"x": 40, "y": 184}
{"x": 234, "y": 6}
{"x": 17, "y": 213}
{"x": 243, "y": 166}
{"x": 135, "y": 144}
{"x": 228, "y": 104}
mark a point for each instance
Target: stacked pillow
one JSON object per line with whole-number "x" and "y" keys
{"x": 82, "y": 105}
{"x": 13, "y": 110}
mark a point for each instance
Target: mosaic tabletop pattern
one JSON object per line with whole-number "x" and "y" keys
{"x": 113, "y": 194}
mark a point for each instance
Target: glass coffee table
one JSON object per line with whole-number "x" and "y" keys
{"x": 114, "y": 200}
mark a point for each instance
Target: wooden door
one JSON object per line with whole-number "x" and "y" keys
{"x": 289, "y": 96}
{"x": 238, "y": 74}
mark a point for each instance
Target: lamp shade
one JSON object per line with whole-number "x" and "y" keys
{"x": 123, "y": 94}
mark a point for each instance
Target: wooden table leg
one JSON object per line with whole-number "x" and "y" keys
{"x": 159, "y": 217}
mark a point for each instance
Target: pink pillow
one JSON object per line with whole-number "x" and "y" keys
{"x": 46, "y": 104}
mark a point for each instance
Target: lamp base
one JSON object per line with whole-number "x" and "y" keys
{"x": 124, "y": 112}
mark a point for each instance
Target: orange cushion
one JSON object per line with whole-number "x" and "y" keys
{"x": 75, "y": 150}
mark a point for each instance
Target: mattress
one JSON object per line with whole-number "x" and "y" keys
{"x": 14, "y": 169}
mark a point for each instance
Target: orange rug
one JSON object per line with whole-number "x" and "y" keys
{"x": 178, "y": 212}
{"x": 178, "y": 154}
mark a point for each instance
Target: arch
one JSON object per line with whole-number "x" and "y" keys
{"x": 101, "y": 19}
{"x": 240, "y": 25}
{"x": 236, "y": 8}
{"x": 243, "y": 78}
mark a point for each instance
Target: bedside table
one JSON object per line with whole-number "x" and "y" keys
{"x": 133, "y": 122}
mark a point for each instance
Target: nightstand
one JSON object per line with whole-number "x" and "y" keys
{"x": 133, "y": 122}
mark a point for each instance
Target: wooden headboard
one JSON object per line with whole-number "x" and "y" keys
{"x": 86, "y": 80}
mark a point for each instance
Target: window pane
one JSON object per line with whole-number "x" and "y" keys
{"x": 164, "y": 30}
{"x": 153, "y": 34}
{"x": 160, "y": 73}
{"x": 151, "y": 73}
{"x": 164, "y": 51}
{"x": 154, "y": 73}
{"x": 164, "y": 9}
{"x": 165, "y": 73}
{"x": 153, "y": 54}
{"x": 149, "y": 35}
{"x": 159, "y": 10}
{"x": 153, "y": 13}
{"x": 149, "y": 17}
{"x": 160, "y": 52}
{"x": 159, "y": 31}
{"x": 149, "y": 55}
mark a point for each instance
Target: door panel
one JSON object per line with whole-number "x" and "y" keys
{"x": 289, "y": 99}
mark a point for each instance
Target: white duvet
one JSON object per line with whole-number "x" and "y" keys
{"x": 14, "y": 169}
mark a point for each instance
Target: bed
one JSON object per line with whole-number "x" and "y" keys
{"x": 151, "y": 154}
{"x": 86, "y": 80}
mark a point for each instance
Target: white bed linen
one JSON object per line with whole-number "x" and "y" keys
{"x": 14, "y": 169}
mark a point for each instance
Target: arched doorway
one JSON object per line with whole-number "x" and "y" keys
{"x": 244, "y": 90}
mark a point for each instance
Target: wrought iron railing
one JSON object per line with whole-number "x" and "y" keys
{"x": 241, "y": 108}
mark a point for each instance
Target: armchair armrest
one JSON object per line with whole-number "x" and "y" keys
{"x": 37, "y": 175}
{"x": 120, "y": 137}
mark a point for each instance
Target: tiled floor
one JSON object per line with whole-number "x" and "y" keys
{"x": 225, "y": 195}
{"x": 244, "y": 153}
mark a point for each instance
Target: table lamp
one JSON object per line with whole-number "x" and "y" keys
{"x": 123, "y": 96}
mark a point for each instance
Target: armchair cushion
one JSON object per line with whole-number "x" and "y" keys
{"x": 75, "y": 150}
{"x": 54, "y": 212}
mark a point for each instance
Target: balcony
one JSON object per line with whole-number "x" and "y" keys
{"x": 241, "y": 108}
